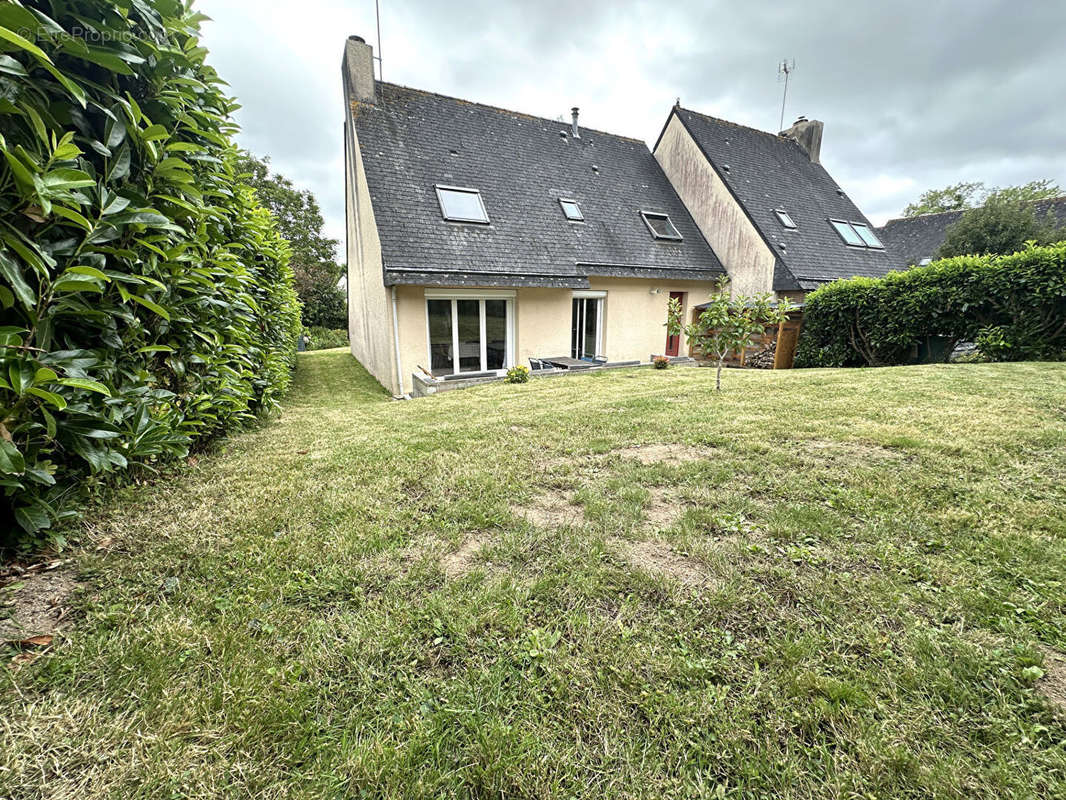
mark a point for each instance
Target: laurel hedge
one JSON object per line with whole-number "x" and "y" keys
{"x": 1013, "y": 307}
{"x": 146, "y": 303}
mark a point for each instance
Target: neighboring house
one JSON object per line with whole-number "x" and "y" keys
{"x": 916, "y": 239}
{"x": 480, "y": 238}
{"x": 767, "y": 206}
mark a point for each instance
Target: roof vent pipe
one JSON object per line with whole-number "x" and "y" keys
{"x": 573, "y": 125}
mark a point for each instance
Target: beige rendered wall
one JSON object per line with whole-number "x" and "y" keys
{"x": 747, "y": 258}
{"x": 635, "y": 319}
{"x": 369, "y": 301}
{"x": 633, "y": 324}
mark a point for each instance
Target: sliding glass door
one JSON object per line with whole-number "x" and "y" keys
{"x": 585, "y": 327}
{"x": 468, "y": 334}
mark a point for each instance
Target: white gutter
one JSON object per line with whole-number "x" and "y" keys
{"x": 396, "y": 342}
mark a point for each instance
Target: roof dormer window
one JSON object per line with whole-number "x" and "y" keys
{"x": 784, "y": 218}
{"x": 571, "y": 210}
{"x": 660, "y": 226}
{"x": 461, "y": 205}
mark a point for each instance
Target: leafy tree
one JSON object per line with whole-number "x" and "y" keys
{"x": 313, "y": 254}
{"x": 1032, "y": 192}
{"x": 1003, "y": 224}
{"x": 972, "y": 194}
{"x": 727, "y": 324}
{"x": 950, "y": 198}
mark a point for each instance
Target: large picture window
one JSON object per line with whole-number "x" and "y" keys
{"x": 469, "y": 333}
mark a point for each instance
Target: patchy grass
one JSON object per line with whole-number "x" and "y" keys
{"x": 861, "y": 595}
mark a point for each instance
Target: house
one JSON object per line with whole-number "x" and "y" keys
{"x": 480, "y": 238}
{"x": 767, "y": 206}
{"x": 917, "y": 239}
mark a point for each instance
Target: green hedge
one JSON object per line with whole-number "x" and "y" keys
{"x": 146, "y": 303}
{"x": 1013, "y": 307}
{"x": 319, "y": 338}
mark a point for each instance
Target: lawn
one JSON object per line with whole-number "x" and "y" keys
{"x": 819, "y": 584}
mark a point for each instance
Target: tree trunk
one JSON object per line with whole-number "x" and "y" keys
{"x": 718, "y": 376}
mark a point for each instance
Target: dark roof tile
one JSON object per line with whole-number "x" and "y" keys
{"x": 412, "y": 140}
{"x": 918, "y": 238}
{"x": 766, "y": 172}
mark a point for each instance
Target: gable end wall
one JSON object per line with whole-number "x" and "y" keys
{"x": 370, "y": 328}
{"x": 725, "y": 225}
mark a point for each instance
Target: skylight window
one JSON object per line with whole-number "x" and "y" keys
{"x": 868, "y": 236}
{"x": 857, "y": 234}
{"x": 572, "y": 210}
{"x": 847, "y": 233}
{"x": 461, "y": 205}
{"x": 660, "y": 226}
{"x": 784, "y": 218}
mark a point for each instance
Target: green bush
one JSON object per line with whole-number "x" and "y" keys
{"x": 1013, "y": 307}
{"x": 518, "y": 374}
{"x": 318, "y": 338}
{"x": 146, "y": 303}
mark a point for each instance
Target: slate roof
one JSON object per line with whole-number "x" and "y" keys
{"x": 917, "y": 238}
{"x": 413, "y": 140}
{"x": 765, "y": 172}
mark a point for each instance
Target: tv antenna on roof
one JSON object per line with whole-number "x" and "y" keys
{"x": 377, "y": 15}
{"x": 784, "y": 70}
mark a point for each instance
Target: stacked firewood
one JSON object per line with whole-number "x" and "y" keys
{"x": 763, "y": 359}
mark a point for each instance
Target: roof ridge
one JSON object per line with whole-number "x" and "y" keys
{"x": 489, "y": 107}
{"x": 712, "y": 118}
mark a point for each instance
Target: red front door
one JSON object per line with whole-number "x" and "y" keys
{"x": 673, "y": 343}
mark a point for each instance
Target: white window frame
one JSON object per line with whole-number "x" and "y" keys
{"x": 439, "y": 187}
{"x": 473, "y": 294}
{"x": 677, "y": 237}
{"x": 580, "y": 214}
{"x": 592, "y": 294}
{"x": 785, "y": 219}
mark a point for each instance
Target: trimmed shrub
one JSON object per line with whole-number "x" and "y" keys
{"x": 325, "y": 338}
{"x": 146, "y": 303}
{"x": 1013, "y": 307}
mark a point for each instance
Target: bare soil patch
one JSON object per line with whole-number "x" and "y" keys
{"x": 663, "y": 509}
{"x": 463, "y": 560}
{"x": 659, "y": 558}
{"x": 1052, "y": 687}
{"x": 36, "y": 603}
{"x": 551, "y": 510}
{"x": 662, "y": 453}
{"x": 853, "y": 451}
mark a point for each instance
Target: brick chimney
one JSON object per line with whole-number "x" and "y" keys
{"x": 358, "y": 69}
{"x": 808, "y": 135}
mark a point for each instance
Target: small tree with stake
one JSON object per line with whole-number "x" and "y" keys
{"x": 727, "y": 324}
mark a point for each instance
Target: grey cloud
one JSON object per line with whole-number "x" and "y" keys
{"x": 914, "y": 94}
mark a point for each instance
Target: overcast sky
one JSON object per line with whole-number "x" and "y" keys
{"x": 914, "y": 94}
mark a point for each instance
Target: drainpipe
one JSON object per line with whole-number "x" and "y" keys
{"x": 396, "y": 342}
